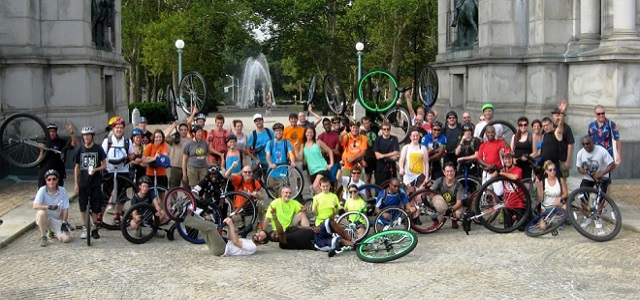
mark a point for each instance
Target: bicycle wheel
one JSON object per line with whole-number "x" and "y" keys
{"x": 370, "y": 192}
{"x": 386, "y": 246}
{"x": 398, "y": 117}
{"x": 508, "y": 130}
{"x": 126, "y": 191}
{"x": 392, "y": 217}
{"x": 503, "y": 213}
{"x": 308, "y": 204}
{"x": 355, "y": 224}
{"x": 284, "y": 175}
{"x": 428, "y": 86}
{"x": 552, "y": 219}
{"x": 170, "y": 97}
{"x": 378, "y": 91}
{"x": 146, "y": 227}
{"x": 193, "y": 92}
{"x": 334, "y": 94}
{"x": 193, "y": 235}
{"x": 177, "y": 201}
{"x": 244, "y": 212}
{"x": 87, "y": 223}
{"x": 594, "y": 215}
{"x": 429, "y": 220}
{"x": 311, "y": 90}
{"x": 471, "y": 186}
{"x": 22, "y": 135}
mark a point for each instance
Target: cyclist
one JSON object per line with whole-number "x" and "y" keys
{"x": 194, "y": 158}
{"x": 450, "y": 198}
{"x": 52, "y": 204}
{"x": 209, "y": 189}
{"x": 294, "y": 134}
{"x": 325, "y": 204}
{"x": 369, "y": 154}
{"x": 394, "y": 196}
{"x": 147, "y": 136}
{"x": 200, "y": 120}
{"x": 290, "y": 213}
{"x": 485, "y": 119}
{"x": 355, "y": 146}
{"x": 156, "y": 156}
{"x": 467, "y": 149}
{"x": 90, "y": 160}
{"x": 387, "y": 153}
{"x": 176, "y": 143}
{"x": 488, "y": 156}
{"x": 551, "y": 191}
{"x": 414, "y": 163}
{"x": 247, "y": 184}
{"x": 302, "y": 118}
{"x": 436, "y": 143}
{"x": 218, "y": 245}
{"x": 312, "y": 151}
{"x": 353, "y": 179}
{"x": 117, "y": 146}
{"x": 355, "y": 203}
{"x": 218, "y": 141}
{"x": 331, "y": 138}
{"x": 258, "y": 140}
{"x": 279, "y": 151}
{"x": 231, "y": 156}
{"x": 596, "y": 160}
{"x": 145, "y": 194}
{"x": 513, "y": 196}
{"x": 138, "y": 167}
{"x": 53, "y": 160}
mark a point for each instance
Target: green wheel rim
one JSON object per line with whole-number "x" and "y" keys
{"x": 377, "y": 84}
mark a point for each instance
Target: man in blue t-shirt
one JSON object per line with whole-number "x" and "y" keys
{"x": 258, "y": 139}
{"x": 393, "y": 196}
{"x": 436, "y": 143}
{"x": 279, "y": 151}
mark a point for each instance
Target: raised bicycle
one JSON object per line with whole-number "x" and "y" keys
{"x": 192, "y": 94}
{"x": 24, "y": 137}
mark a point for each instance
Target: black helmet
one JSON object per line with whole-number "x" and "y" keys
{"x": 278, "y": 126}
{"x": 436, "y": 124}
{"x": 213, "y": 169}
{"x": 51, "y": 172}
{"x": 52, "y": 126}
{"x": 144, "y": 179}
{"x": 467, "y": 127}
{"x": 232, "y": 137}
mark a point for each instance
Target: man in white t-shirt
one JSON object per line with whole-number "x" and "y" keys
{"x": 595, "y": 160}
{"x": 219, "y": 246}
{"x": 487, "y": 112}
{"x": 117, "y": 147}
{"x": 346, "y": 181}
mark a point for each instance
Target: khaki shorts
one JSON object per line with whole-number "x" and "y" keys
{"x": 194, "y": 175}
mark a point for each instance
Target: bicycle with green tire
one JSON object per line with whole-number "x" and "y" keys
{"x": 384, "y": 246}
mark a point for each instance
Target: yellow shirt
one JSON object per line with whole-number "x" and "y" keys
{"x": 284, "y": 211}
{"x": 354, "y": 205}
{"x": 326, "y": 204}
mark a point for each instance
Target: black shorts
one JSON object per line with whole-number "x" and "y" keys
{"x": 371, "y": 164}
{"x": 91, "y": 195}
{"x": 589, "y": 183}
{"x": 163, "y": 181}
{"x": 324, "y": 174}
{"x": 418, "y": 181}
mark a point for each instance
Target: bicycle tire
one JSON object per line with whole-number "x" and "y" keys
{"x": 514, "y": 210}
{"x": 553, "y": 219}
{"x": 193, "y": 235}
{"x": 193, "y": 92}
{"x": 334, "y": 94}
{"x": 372, "y": 86}
{"x": 124, "y": 198}
{"x": 508, "y": 130}
{"x": 386, "y": 246}
{"x": 88, "y": 221}
{"x": 398, "y": 219}
{"x": 429, "y": 224}
{"x": 611, "y": 219}
{"x": 148, "y": 226}
{"x": 311, "y": 90}
{"x": 170, "y": 97}
{"x": 15, "y": 131}
{"x": 398, "y": 117}
{"x": 428, "y": 86}
{"x": 472, "y": 186}
{"x": 353, "y": 222}
{"x": 308, "y": 204}
{"x": 282, "y": 175}
{"x": 176, "y": 201}
{"x": 247, "y": 210}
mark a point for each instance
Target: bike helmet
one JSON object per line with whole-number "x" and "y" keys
{"x": 136, "y": 131}
{"x": 213, "y": 169}
{"x": 119, "y": 122}
{"x": 232, "y": 137}
{"x": 487, "y": 105}
{"x": 88, "y": 130}
{"x": 144, "y": 179}
{"x": 201, "y": 116}
{"x": 163, "y": 161}
{"x": 467, "y": 127}
{"x": 506, "y": 152}
{"x": 51, "y": 172}
{"x": 113, "y": 120}
{"x": 278, "y": 126}
{"x": 436, "y": 124}
{"x": 52, "y": 126}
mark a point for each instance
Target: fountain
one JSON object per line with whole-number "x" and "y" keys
{"x": 256, "y": 82}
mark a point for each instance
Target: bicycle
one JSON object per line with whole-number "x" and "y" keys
{"x": 192, "y": 94}
{"x": 357, "y": 223}
{"x": 593, "y": 213}
{"x": 396, "y": 216}
{"x": 147, "y": 226}
{"x": 284, "y": 175}
{"x": 118, "y": 197}
{"x": 552, "y": 220}
{"x": 384, "y": 246}
{"x": 24, "y": 137}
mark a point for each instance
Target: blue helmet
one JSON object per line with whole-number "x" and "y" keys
{"x": 136, "y": 131}
{"x": 163, "y": 161}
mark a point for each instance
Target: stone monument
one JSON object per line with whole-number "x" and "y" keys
{"x": 529, "y": 54}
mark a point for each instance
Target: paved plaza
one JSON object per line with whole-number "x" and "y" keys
{"x": 447, "y": 263}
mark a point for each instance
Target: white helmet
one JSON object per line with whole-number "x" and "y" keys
{"x": 88, "y": 130}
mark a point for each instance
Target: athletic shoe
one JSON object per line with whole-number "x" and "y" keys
{"x": 454, "y": 224}
{"x": 598, "y": 223}
{"x": 50, "y": 234}
{"x": 416, "y": 221}
{"x": 43, "y": 241}
{"x": 585, "y": 223}
{"x": 95, "y": 234}
{"x": 83, "y": 235}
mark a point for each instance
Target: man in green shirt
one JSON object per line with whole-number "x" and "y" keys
{"x": 289, "y": 213}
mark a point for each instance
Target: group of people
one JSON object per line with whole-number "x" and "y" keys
{"x": 336, "y": 157}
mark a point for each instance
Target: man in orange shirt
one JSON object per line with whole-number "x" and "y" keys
{"x": 246, "y": 184}
{"x": 294, "y": 134}
{"x": 354, "y": 145}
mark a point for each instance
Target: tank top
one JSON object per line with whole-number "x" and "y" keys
{"x": 229, "y": 161}
{"x": 551, "y": 192}
{"x": 522, "y": 148}
{"x": 242, "y": 143}
{"x": 314, "y": 159}
{"x": 414, "y": 163}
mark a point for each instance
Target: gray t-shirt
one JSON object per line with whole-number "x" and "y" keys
{"x": 596, "y": 161}
{"x": 60, "y": 198}
{"x": 450, "y": 193}
{"x": 197, "y": 152}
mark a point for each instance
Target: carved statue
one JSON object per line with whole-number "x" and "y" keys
{"x": 102, "y": 17}
{"x": 465, "y": 17}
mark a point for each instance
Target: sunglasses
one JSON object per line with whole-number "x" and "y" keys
{"x": 355, "y": 173}
{"x": 353, "y": 192}
{"x": 433, "y": 129}
{"x": 551, "y": 169}
{"x": 386, "y": 129}
{"x": 247, "y": 172}
{"x": 523, "y": 125}
{"x": 600, "y": 114}
{"x": 52, "y": 179}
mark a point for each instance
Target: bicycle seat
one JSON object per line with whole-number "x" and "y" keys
{"x": 404, "y": 89}
{"x": 117, "y": 161}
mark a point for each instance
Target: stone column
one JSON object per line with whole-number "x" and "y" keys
{"x": 624, "y": 20}
{"x": 589, "y": 20}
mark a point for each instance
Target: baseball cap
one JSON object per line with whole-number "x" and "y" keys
{"x": 257, "y": 116}
{"x": 556, "y": 111}
{"x": 487, "y": 105}
{"x": 142, "y": 120}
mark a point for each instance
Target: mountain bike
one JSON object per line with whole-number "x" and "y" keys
{"x": 115, "y": 196}
{"x": 383, "y": 246}
{"x": 357, "y": 223}
{"x": 24, "y": 140}
{"x": 546, "y": 222}
{"x": 192, "y": 94}
{"x": 284, "y": 175}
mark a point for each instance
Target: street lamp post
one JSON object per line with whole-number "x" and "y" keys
{"x": 179, "y": 46}
{"x": 356, "y": 105}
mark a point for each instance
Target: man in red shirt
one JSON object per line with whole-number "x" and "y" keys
{"x": 332, "y": 140}
{"x": 489, "y": 156}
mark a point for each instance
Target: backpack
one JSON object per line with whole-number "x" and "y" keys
{"x": 126, "y": 144}
{"x": 286, "y": 149}
{"x": 255, "y": 138}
